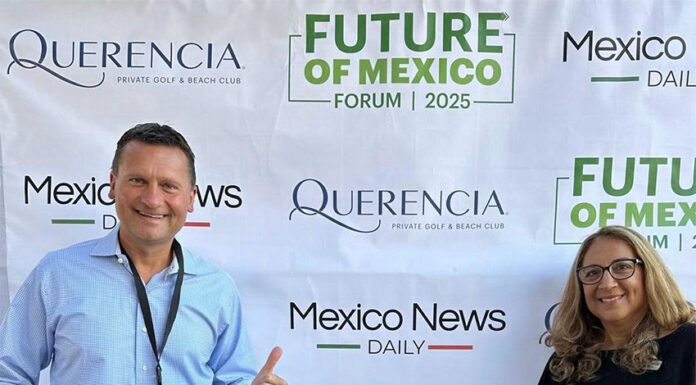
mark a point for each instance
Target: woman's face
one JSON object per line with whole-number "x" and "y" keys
{"x": 617, "y": 303}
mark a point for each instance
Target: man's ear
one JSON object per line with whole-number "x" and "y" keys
{"x": 192, "y": 199}
{"x": 112, "y": 184}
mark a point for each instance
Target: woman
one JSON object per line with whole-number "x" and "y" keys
{"x": 622, "y": 318}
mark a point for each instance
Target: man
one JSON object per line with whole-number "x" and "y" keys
{"x": 121, "y": 309}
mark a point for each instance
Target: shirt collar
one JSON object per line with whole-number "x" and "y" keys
{"x": 109, "y": 246}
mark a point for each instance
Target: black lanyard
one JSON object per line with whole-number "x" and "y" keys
{"x": 145, "y": 305}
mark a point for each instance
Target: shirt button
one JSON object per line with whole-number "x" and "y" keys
{"x": 144, "y": 329}
{"x": 144, "y": 368}
{"x": 120, "y": 260}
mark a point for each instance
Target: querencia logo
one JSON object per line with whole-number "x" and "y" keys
{"x": 433, "y": 327}
{"x": 547, "y": 322}
{"x": 440, "y": 60}
{"x": 654, "y": 195}
{"x": 42, "y": 191}
{"x": 366, "y": 210}
{"x": 622, "y": 59}
{"x": 89, "y": 63}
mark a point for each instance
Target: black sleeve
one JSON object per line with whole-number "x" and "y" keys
{"x": 546, "y": 375}
{"x": 683, "y": 349}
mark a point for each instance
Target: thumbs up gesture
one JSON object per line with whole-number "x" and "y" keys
{"x": 266, "y": 375}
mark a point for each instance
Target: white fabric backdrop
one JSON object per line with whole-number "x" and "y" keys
{"x": 261, "y": 128}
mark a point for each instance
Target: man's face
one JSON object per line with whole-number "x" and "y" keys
{"x": 152, "y": 192}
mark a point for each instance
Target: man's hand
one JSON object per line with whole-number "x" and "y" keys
{"x": 266, "y": 376}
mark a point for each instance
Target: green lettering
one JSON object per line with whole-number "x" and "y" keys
{"x": 495, "y": 72}
{"x": 399, "y": 66}
{"x": 652, "y": 163}
{"x": 339, "y": 69}
{"x": 341, "y": 35}
{"x": 676, "y": 172}
{"x": 628, "y": 179}
{"x": 484, "y": 32}
{"x": 449, "y": 33}
{"x": 579, "y": 176}
{"x": 423, "y": 70}
{"x": 323, "y": 68}
{"x": 442, "y": 70}
{"x": 637, "y": 217}
{"x": 689, "y": 213}
{"x": 575, "y": 215}
{"x": 665, "y": 214}
{"x": 605, "y": 212}
{"x": 384, "y": 20}
{"x": 311, "y": 32}
{"x": 429, "y": 33}
{"x": 368, "y": 72}
{"x": 454, "y": 70}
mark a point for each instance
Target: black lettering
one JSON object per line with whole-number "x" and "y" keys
{"x": 46, "y": 182}
{"x": 63, "y": 189}
{"x": 216, "y": 198}
{"x": 328, "y": 316}
{"x": 111, "y": 221}
{"x": 645, "y": 48}
{"x": 473, "y": 316}
{"x": 449, "y": 316}
{"x": 347, "y": 319}
{"x": 82, "y": 193}
{"x": 599, "y": 48}
{"x": 311, "y": 309}
{"x": 431, "y": 323}
{"x": 499, "y": 321}
{"x": 568, "y": 37}
{"x": 624, "y": 48}
{"x": 364, "y": 321}
{"x": 108, "y": 201}
{"x": 236, "y": 199}
{"x": 228, "y": 51}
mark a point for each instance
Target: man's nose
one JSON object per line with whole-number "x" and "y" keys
{"x": 152, "y": 196}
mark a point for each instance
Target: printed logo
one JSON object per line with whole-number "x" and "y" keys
{"x": 420, "y": 319}
{"x": 625, "y": 50}
{"x": 654, "y": 195}
{"x": 88, "y": 64}
{"x": 363, "y": 211}
{"x": 444, "y": 60}
{"x": 547, "y": 322}
{"x": 48, "y": 191}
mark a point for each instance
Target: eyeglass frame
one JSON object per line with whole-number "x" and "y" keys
{"x": 636, "y": 261}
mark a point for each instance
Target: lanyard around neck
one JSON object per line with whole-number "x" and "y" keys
{"x": 145, "y": 305}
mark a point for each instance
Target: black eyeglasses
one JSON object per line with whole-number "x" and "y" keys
{"x": 622, "y": 268}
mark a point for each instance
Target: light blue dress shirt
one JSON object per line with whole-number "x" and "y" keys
{"x": 78, "y": 310}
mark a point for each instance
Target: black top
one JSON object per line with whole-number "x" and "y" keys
{"x": 677, "y": 351}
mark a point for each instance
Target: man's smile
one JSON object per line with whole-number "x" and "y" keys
{"x": 150, "y": 215}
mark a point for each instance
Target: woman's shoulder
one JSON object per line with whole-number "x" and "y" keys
{"x": 685, "y": 333}
{"x": 678, "y": 354}
{"x": 681, "y": 342}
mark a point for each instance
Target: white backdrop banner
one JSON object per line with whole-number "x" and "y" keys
{"x": 398, "y": 188}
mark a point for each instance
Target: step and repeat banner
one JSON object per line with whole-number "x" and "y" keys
{"x": 398, "y": 188}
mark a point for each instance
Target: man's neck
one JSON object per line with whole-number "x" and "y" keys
{"x": 148, "y": 261}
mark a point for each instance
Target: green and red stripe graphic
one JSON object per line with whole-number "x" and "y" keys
{"x": 87, "y": 221}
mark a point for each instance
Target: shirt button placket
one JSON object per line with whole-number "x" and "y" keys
{"x": 143, "y": 351}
